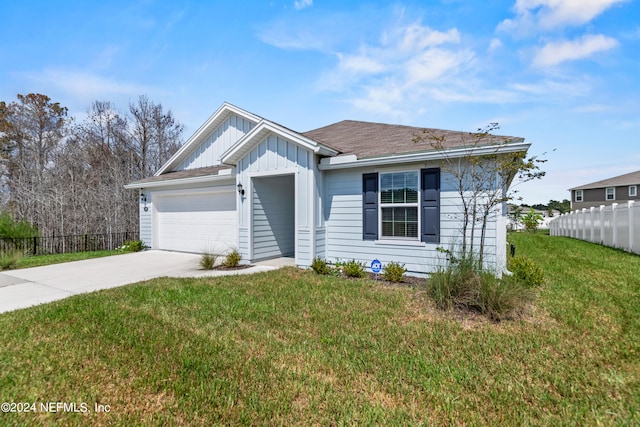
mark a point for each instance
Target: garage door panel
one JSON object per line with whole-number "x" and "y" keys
{"x": 197, "y": 222}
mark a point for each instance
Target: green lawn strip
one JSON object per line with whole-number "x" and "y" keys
{"x": 291, "y": 347}
{"x": 40, "y": 260}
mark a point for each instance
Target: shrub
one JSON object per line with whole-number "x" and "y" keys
{"x": 12, "y": 229}
{"x": 232, "y": 259}
{"x": 525, "y": 271}
{"x": 9, "y": 259}
{"x": 208, "y": 260}
{"x": 354, "y": 268}
{"x": 133, "y": 246}
{"x": 506, "y": 298}
{"x": 319, "y": 265}
{"x": 394, "y": 272}
{"x": 464, "y": 285}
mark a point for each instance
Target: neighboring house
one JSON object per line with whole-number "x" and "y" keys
{"x": 350, "y": 190}
{"x": 619, "y": 189}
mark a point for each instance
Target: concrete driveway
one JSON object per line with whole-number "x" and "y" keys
{"x": 38, "y": 285}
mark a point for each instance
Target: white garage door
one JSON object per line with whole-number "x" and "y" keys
{"x": 203, "y": 222}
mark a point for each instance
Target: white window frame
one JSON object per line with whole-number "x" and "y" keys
{"x": 579, "y": 196}
{"x": 612, "y": 193}
{"x": 633, "y": 191}
{"x": 382, "y": 205}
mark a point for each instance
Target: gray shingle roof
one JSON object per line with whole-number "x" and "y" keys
{"x": 366, "y": 139}
{"x": 632, "y": 178}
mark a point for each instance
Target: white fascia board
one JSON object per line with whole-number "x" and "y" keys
{"x": 245, "y": 144}
{"x": 182, "y": 181}
{"x": 203, "y": 131}
{"x": 351, "y": 161}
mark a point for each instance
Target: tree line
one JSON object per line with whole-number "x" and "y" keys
{"x": 67, "y": 176}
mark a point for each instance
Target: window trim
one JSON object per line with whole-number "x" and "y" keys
{"x": 633, "y": 193}
{"x": 579, "y": 196}
{"x": 415, "y": 204}
{"x": 613, "y": 194}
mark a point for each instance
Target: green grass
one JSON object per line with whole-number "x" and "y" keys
{"x": 40, "y": 260}
{"x": 294, "y": 348}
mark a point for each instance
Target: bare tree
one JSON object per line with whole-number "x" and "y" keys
{"x": 482, "y": 171}
{"x": 32, "y": 129}
{"x": 155, "y": 134}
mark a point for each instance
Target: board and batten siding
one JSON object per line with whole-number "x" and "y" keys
{"x": 273, "y": 217}
{"x": 343, "y": 213}
{"x": 146, "y": 220}
{"x": 274, "y": 156}
{"x": 223, "y": 137}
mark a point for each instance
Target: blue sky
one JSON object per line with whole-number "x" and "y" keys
{"x": 564, "y": 74}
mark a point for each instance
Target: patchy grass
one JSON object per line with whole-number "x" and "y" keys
{"x": 40, "y": 260}
{"x": 290, "y": 347}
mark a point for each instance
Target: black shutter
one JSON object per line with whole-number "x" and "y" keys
{"x": 430, "y": 205}
{"x": 370, "y": 206}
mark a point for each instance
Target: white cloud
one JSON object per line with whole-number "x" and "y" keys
{"x": 494, "y": 45}
{"x": 555, "y": 53}
{"x": 532, "y": 15}
{"x": 391, "y": 76}
{"x": 301, "y": 4}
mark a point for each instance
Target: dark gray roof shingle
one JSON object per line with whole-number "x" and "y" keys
{"x": 366, "y": 139}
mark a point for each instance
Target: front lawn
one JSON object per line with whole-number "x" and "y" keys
{"x": 290, "y": 347}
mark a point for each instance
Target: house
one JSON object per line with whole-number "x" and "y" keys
{"x": 619, "y": 189}
{"x": 350, "y": 190}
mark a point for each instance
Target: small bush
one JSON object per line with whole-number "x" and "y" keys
{"x": 208, "y": 260}
{"x": 232, "y": 259}
{"x": 9, "y": 259}
{"x": 319, "y": 266}
{"x": 525, "y": 271}
{"x": 133, "y": 246}
{"x": 394, "y": 272}
{"x": 354, "y": 268}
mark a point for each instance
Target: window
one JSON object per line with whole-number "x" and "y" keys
{"x": 579, "y": 196}
{"x": 399, "y": 204}
{"x": 633, "y": 191}
{"x": 610, "y": 193}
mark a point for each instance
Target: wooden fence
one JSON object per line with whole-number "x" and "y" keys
{"x": 67, "y": 244}
{"x": 616, "y": 225}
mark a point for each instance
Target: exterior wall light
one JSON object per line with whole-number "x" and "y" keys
{"x": 240, "y": 189}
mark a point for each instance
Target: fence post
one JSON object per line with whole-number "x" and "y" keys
{"x": 631, "y": 225}
{"x": 583, "y": 214}
{"x": 614, "y": 220}
{"x": 592, "y": 228}
{"x": 601, "y": 224}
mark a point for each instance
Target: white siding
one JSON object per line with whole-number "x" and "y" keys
{"x": 343, "y": 213}
{"x": 220, "y": 140}
{"x": 276, "y": 156}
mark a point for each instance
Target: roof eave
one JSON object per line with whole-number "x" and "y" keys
{"x": 181, "y": 181}
{"x": 351, "y": 161}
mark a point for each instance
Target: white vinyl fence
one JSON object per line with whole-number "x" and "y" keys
{"x": 616, "y": 225}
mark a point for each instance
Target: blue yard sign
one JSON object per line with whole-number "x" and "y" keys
{"x": 376, "y": 266}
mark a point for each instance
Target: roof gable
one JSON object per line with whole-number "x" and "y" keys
{"x": 201, "y": 148}
{"x": 265, "y": 128}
